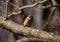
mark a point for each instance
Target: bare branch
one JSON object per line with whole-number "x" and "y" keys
{"x": 29, "y": 40}
{"x": 27, "y": 31}
{"x": 35, "y": 4}
{"x": 34, "y": 40}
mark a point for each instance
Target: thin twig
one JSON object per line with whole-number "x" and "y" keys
{"x": 49, "y": 6}
{"x": 27, "y": 6}
{"x": 52, "y": 9}
{"x": 49, "y": 18}
{"x": 35, "y": 4}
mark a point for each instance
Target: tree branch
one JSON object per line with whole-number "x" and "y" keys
{"x": 27, "y": 31}
{"x": 34, "y": 40}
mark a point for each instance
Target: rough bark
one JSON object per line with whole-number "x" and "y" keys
{"x": 27, "y": 31}
{"x": 34, "y": 40}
